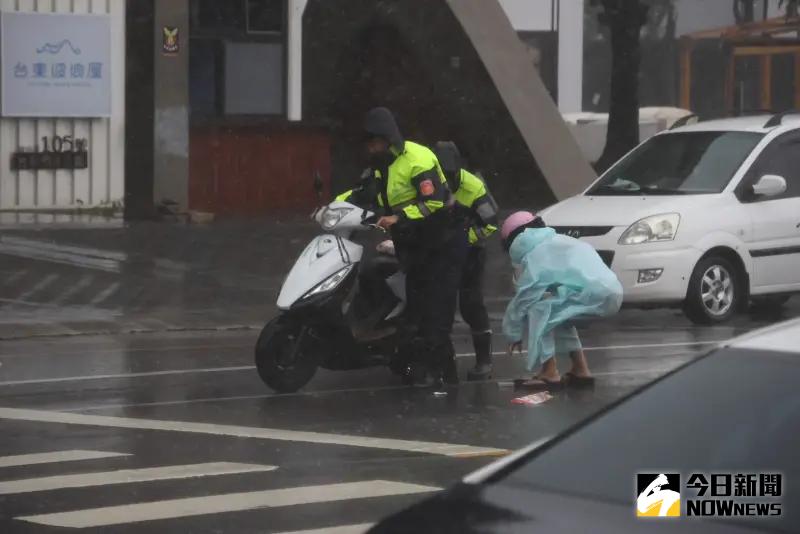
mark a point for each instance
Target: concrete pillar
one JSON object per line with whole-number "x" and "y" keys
{"x": 294, "y": 42}
{"x": 570, "y": 56}
{"x": 139, "y": 109}
{"x": 171, "y": 121}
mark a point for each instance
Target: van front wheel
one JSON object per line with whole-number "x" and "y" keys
{"x": 714, "y": 291}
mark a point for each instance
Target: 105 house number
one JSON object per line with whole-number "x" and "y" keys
{"x": 60, "y": 144}
{"x": 59, "y": 152}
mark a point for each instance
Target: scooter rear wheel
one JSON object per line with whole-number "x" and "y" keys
{"x": 285, "y": 359}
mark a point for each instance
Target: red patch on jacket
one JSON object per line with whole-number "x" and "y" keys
{"x": 426, "y": 188}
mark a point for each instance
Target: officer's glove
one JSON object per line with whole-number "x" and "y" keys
{"x": 386, "y": 247}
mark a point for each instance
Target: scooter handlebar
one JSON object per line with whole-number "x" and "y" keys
{"x": 376, "y": 227}
{"x": 371, "y": 220}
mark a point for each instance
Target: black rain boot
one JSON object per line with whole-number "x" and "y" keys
{"x": 483, "y": 357}
{"x": 419, "y": 376}
{"x": 420, "y": 372}
{"x": 450, "y": 369}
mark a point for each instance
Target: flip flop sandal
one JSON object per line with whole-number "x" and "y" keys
{"x": 572, "y": 381}
{"x": 537, "y": 384}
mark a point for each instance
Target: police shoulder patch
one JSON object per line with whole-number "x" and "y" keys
{"x": 427, "y": 188}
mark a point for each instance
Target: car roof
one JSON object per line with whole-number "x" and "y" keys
{"x": 751, "y": 123}
{"x": 782, "y": 337}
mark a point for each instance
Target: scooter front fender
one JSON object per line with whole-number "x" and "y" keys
{"x": 322, "y": 258}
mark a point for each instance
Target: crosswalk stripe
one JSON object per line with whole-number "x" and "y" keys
{"x": 344, "y": 529}
{"x": 10, "y": 279}
{"x": 125, "y": 476}
{"x": 84, "y": 282}
{"x": 425, "y": 447}
{"x": 104, "y": 294}
{"x": 231, "y": 502}
{"x": 42, "y": 284}
{"x": 54, "y": 457}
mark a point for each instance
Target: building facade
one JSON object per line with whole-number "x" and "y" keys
{"x": 233, "y": 107}
{"x": 59, "y": 159}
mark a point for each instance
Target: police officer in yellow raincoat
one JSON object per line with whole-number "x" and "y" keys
{"x": 478, "y": 210}
{"x": 417, "y": 208}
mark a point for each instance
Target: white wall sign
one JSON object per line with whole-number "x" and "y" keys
{"x": 55, "y": 65}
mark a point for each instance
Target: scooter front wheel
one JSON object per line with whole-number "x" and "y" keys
{"x": 285, "y": 359}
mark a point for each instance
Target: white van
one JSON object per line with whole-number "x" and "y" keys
{"x": 706, "y": 216}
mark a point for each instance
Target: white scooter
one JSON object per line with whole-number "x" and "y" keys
{"x": 317, "y": 318}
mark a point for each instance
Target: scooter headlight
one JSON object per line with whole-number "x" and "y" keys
{"x": 332, "y": 216}
{"x": 330, "y": 283}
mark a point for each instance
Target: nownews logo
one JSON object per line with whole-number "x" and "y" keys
{"x": 753, "y": 495}
{"x": 659, "y": 495}
{"x": 710, "y": 495}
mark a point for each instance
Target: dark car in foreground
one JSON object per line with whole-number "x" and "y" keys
{"x": 714, "y": 447}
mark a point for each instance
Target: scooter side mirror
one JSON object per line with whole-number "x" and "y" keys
{"x": 318, "y": 185}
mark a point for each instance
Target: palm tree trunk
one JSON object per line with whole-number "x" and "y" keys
{"x": 625, "y": 23}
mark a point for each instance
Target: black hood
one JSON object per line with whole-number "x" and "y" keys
{"x": 448, "y": 155}
{"x": 450, "y": 160}
{"x": 380, "y": 122}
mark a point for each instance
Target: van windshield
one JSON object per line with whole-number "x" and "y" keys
{"x": 679, "y": 164}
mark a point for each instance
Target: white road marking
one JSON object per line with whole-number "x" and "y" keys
{"x": 84, "y": 282}
{"x": 344, "y": 529}
{"x": 104, "y": 294}
{"x": 658, "y": 371}
{"x": 231, "y": 502}
{"x": 218, "y": 399}
{"x": 67, "y": 249}
{"x": 658, "y": 345}
{"x": 125, "y": 375}
{"x": 42, "y": 284}
{"x": 252, "y": 367}
{"x": 117, "y": 348}
{"x": 480, "y": 476}
{"x": 14, "y": 277}
{"x": 312, "y": 393}
{"x": 201, "y": 400}
{"x": 82, "y": 257}
{"x": 127, "y": 476}
{"x": 54, "y": 256}
{"x": 23, "y": 303}
{"x": 54, "y": 457}
{"x": 620, "y": 347}
{"x": 426, "y": 447}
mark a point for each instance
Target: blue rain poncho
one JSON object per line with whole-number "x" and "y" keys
{"x": 559, "y": 280}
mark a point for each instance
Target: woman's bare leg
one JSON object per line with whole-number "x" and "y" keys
{"x": 549, "y": 371}
{"x": 579, "y": 366}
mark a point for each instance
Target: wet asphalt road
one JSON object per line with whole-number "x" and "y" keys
{"x": 183, "y": 436}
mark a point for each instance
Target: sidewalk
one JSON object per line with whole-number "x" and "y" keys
{"x": 111, "y": 277}
{"x": 66, "y": 279}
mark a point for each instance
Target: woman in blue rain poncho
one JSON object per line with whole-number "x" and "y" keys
{"x": 559, "y": 281}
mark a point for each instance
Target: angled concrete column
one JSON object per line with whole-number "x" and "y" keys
{"x": 537, "y": 117}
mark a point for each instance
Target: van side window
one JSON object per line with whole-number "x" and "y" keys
{"x": 782, "y": 158}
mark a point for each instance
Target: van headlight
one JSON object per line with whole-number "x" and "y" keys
{"x": 652, "y": 229}
{"x": 332, "y": 216}
{"x": 330, "y": 283}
